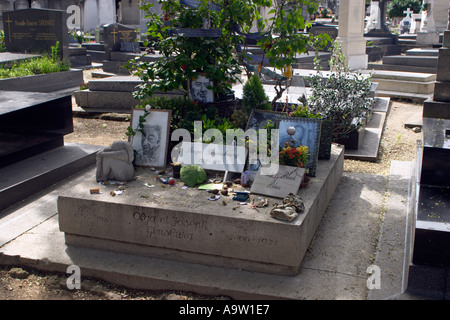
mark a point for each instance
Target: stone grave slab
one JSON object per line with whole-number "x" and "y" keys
{"x": 24, "y": 178}
{"x": 113, "y": 94}
{"x": 185, "y": 225}
{"x": 279, "y": 185}
{"x": 9, "y": 58}
{"x": 432, "y": 231}
{"x": 370, "y": 142}
{"x": 115, "y": 34}
{"x": 432, "y": 234}
{"x": 436, "y": 152}
{"x": 371, "y": 139}
{"x": 50, "y": 82}
{"x": 31, "y": 123}
{"x": 36, "y": 30}
{"x": 330, "y": 30}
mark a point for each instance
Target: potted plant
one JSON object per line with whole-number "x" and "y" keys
{"x": 342, "y": 98}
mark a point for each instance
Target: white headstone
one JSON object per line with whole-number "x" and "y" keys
{"x": 415, "y": 23}
{"x": 21, "y": 4}
{"x": 428, "y": 34}
{"x": 405, "y": 24}
{"x": 375, "y": 16}
{"x": 440, "y": 14}
{"x": 351, "y": 33}
{"x": 408, "y": 13}
{"x": 90, "y": 15}
{"x": 107, "y": 12}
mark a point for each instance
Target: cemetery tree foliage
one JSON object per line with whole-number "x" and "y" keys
{"x": 221, "y": 58}
{"x": 396, "y": 8}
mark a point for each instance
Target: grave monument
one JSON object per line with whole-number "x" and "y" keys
{"x": 350, "y": 35}
{"x": 430, "y": 262}
{"x": 36, "y": 30}
{"x": 434, "y": 22}
{"x": 385, "y": 43}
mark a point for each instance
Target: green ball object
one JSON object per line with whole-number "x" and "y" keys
{"x": 192, "y": 175}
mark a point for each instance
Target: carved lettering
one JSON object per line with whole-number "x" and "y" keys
{"x": 169, "y": 227}
{"x": 255, "y": 240}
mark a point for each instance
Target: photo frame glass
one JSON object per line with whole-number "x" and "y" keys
{"x": 200, "y": 89}
{"x": 307, "y": 133}
{"x": 259, "y": 118}
{"x": 150, "y": 144}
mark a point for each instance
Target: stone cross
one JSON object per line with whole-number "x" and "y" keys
{"x": 114, "y": 32}
{"x": 8, "y": 21}
{"x": 408, "y": 13}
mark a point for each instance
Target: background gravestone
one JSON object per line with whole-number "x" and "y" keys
{"x": 36, "y": 31}
{"x": 318, "y": 29}
{"x": 115, "y": 34}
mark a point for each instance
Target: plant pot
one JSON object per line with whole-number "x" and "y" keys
{"x": 305, "y": 181}
{"x": 326, "y": 139}
{"x": 352, "y": 140}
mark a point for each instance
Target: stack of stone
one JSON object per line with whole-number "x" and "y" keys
{"x": 439, "y": 106}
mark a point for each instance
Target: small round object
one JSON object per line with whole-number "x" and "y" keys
{"x": 291, "y": 130}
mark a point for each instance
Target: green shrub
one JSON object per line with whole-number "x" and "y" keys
{"x": 254, "y": 96}
{"x": 343, "y": 97}
{"x": 41, "y": 65}
{"x": 2, "y": 41}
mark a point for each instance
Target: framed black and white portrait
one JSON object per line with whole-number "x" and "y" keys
{"x": 151, "y": 141}
{"x": 201, "y": 89}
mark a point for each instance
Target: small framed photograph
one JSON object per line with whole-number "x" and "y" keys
{"x": 259, "y": 118}
{"x": 307, "y": 133}
{"x": 151, "y": 141}
{"x": 201, "y": 89}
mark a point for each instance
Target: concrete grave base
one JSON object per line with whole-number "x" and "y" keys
{"x": 44, "y": 82}
{"x": 184, "y": 225}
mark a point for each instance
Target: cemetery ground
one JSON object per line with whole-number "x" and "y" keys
{"x": 398, "y": 143}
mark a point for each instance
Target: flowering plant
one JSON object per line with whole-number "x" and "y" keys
{"x": 78, "y": 35}
{"x": 295, "y": 157}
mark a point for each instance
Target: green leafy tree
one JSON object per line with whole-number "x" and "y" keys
{"x": 396, "y": 8}
{"x": 221, "y": 58}
{"x": 254, "y": 96}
